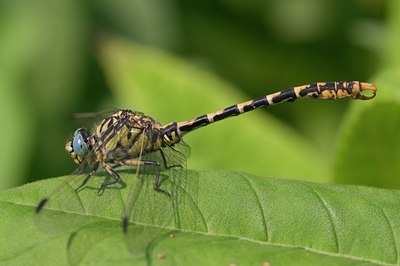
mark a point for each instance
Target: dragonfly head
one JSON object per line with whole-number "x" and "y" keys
{"x": 79, "y": 146}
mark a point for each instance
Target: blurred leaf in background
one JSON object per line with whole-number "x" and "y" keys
{"x": 50, "y": 69}
{"x": 171, "y": 90}
{"x": 368, "y": 150}
{"x": 17, "y": 130}
{"x": 41, "y": 50}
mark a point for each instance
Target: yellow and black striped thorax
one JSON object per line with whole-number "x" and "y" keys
{"x": 123, "y": 135}
{"x": 127, "y": 134}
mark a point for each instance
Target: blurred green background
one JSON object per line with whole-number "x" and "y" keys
{"x": 176, "y": 59}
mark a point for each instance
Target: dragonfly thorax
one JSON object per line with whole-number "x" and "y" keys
{"x": 123, "y": 135}
{"x": 127, "y": 135}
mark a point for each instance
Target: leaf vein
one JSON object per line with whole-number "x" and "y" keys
{"x": 264, "y": 221}
{"x": 391, "y": 229}
{"x": 330, "y": 215}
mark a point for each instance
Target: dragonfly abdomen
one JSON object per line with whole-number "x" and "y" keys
{"x": 317, "y": 90}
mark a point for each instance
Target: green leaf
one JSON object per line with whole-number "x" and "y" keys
{"x": 368, "y": 148}
{"x": 170, "y": 89}
{"x": 225, "y": 217}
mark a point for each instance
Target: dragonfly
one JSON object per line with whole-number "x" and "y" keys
{"x": 125, "y": 137}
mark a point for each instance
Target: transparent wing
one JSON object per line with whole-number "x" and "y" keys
{"x": 183, "y": 185}
{"x": 87, "y": 120}
{"x": 147, "y": 207}
{"x": 144, "y": 204}
{"x": 175, "y": 165}
{"x": 173, "y": 175}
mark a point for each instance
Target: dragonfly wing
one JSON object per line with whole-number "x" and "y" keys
{"x": 92, "y": 118}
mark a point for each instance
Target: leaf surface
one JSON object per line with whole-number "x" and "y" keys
{"x": 224, "y": 216}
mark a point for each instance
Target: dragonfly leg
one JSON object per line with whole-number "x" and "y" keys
{"x": 156, "y": 165}
{"x": 89, "y": 175}
{"x": 113, "y": 174}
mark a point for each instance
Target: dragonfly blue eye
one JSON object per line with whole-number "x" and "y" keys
{"x": 79, "y": 142}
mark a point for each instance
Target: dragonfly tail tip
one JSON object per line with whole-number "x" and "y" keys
{"x": 367, "y": 91}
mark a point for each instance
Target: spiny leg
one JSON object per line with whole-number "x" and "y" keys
{"x": 156, "y": 165}
{"x": 89, "y": 175}
{"x": 113, "y": 174}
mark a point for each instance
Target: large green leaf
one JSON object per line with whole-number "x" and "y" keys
{"x": 170, "y": 89}
{"x": 225, "y": 217}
